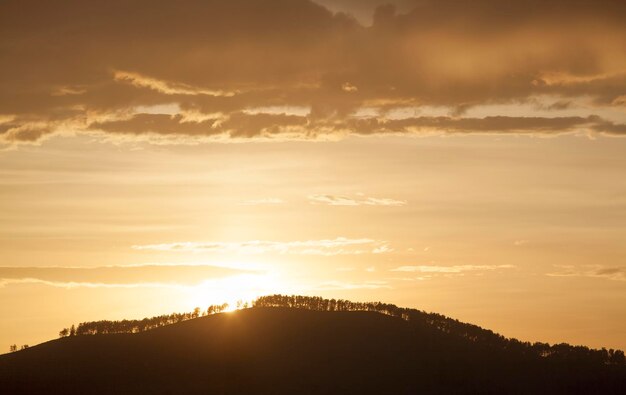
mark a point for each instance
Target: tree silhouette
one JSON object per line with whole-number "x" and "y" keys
{"x": 436, "y": 325}
{"x": 485, "y": 338}
{"x": 135, "y": 326}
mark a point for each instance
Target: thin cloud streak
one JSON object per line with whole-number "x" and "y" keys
{"x": 615, "y": 273}
{"x": 450, "y": 269}
{"x": 164, "y": 86}
{"x": 340, "y": 285}
{"x": 82, "y": 284}
{"x": 336, "y": 200}
{"x": 324, "y": 247}
{"x": 117, "y": 276}
{"x": 263, "y": 202}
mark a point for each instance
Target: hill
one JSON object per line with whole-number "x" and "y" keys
{"x": 289, "y": 350}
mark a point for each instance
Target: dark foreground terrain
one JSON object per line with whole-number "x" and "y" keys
{"x": 277, "y": 350}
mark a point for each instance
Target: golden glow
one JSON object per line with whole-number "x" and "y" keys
{"x": 466, "y": 158}
{"x": 235, "y": 290}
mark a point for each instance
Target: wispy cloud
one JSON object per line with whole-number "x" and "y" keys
{"x": 358, "y": 200}
{"x": 165, "y": 87}
{"x": 117, "y": 276}
{"x": 449, "y": 269}
{"x": 263, "y": 202}
{"x": 340, "y": 285}
{"x": 83, "y": 284}
{"x": 617, "y": 273}
{"x": 326, "y": 247}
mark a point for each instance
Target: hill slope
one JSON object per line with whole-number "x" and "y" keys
{"x": 267, "y": 350}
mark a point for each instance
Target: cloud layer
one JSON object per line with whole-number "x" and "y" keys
{"x": 78, "y": 67}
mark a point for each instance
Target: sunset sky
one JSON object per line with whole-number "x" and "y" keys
{"x": 461, "y": 157}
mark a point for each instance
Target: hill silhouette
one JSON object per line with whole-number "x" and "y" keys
{"x": 281, "y": 346}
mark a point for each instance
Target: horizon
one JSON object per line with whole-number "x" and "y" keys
{"x": 414, "y": 318}
{"x": 461, "y": 158}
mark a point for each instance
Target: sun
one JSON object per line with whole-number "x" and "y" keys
{"x": 238, "y": 291}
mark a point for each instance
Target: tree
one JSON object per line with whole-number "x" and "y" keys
{"x": 24, "y": 347}
{"x": 13, "y": 348}
{"x": 616, "y": 357}
{"x": 434, "y": 324}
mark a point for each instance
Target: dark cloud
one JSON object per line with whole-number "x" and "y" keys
{"x": 117, "y": 275}
{"x": 560, "y": 105}
{"x": 611, "y": 128}
{"x": 241, "y": 125}
{"x": 364, "y": 10}
{"x": 78, "y": 65}
{"x": 610, "y": 271}
{"x": 496, "y": 124}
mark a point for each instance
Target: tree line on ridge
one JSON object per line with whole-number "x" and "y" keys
{"x": 419, "y": 319}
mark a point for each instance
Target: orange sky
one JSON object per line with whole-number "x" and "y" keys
{"x": 459, "y": 157}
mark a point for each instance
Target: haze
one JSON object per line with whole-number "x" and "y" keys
{"x": 466, "y": 158}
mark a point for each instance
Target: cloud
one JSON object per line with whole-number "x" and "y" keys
{"x": 335, "y": 200}
{"x": 340, "y": 285}
{"x": 83, "y": 67}
{"x": 324, "y": 247}
{"x": 117, "y": 276}
{"x": 617, "y": 273}
{"x": 485, "y": 125}
{"x": 164, "y": 87}
{"x": 263, "y": 202}
{"x": 450, "y": 269}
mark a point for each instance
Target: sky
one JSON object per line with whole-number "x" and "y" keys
{"x": 465, "y": 158}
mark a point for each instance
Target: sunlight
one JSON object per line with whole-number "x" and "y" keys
{"x": 237, "y": 291}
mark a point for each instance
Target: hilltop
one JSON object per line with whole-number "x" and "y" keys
{"x": 285, "y": 345}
